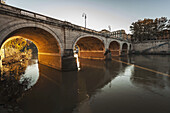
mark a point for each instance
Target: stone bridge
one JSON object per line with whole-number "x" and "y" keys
{"x": 56, "y": 39}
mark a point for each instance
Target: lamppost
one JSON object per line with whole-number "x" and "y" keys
{"x": 85, "y": 17}
{"x": 109, "y": 28}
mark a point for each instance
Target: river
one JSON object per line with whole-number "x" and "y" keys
{"x": 131, "y": 84}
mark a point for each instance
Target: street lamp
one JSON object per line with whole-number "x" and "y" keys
{"x": 85, "y": 17}
{"x": 109, "y": 28}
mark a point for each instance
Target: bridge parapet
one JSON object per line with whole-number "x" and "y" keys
{"x": 25, "y": 14}
{"x": 13, "y": 11}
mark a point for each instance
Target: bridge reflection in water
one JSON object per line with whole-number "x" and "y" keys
{"x": 99, "y": 87}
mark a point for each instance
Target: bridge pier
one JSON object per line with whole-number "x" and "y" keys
{"x": 108, "y": 55}
{"x": 68, "y": 61}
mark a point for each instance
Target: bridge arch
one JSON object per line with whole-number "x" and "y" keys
{"x": 124, "y": 49}
{"x": 49, "y": 45}
{"x": 12, "y": 27}
{"x": 130, "y": 47}
{"x": 90, "y": 47}
{"x": 114, "y": 47}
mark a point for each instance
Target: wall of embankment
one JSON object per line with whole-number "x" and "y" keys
{"x": 152, "y": 47}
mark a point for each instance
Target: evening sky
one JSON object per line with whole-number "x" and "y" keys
{"x": 119, "y": 14}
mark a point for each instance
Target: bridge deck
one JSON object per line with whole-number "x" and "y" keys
{"x": 28, "y": 15}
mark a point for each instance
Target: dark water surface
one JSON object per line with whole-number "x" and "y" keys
{"x": 98, "y": 87}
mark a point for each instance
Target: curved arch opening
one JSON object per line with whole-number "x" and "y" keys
{"x": 130, "y": 48}
{"x": 90, "y": 48}
{"x": 18, "y": 56}
{"x": 114, "y": 47}
{"x": 18, "y": 46}
{"x": 49, "y": 52}
{"x": 124, "y": 49}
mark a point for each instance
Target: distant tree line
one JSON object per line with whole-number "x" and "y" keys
{"x": 150, "y": 29}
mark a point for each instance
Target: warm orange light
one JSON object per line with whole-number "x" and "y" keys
{"x": 11, "y": 38}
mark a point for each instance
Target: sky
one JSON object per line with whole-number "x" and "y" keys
{"x": 119, "y": 14}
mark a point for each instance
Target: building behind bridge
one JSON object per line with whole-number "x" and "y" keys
{"x": 119, "y": 34}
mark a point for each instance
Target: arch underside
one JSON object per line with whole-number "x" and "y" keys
{"x": 47, "y": 45}
{"x": 130, "y": 47}
{"x": 114, "y": 47}
{"x": 124, "y": 49}
{"x": 91, "y": 48}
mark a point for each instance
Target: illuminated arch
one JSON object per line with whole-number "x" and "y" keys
{"x": 13, "y": 27}
{"x": 125, "y": 46}
{"x": 124, "y": 49}
{"x": 90, "y": 47}
{"x": 49, "y": 45}
{"x": 114, "y": 47}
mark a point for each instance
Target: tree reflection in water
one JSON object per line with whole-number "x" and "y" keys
{"x": 12, "y": 88}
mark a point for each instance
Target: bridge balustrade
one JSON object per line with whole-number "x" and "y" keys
{"x": 48, "y": 20}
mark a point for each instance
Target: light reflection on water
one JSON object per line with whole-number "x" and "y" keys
{"x": 31, "y": 73}
{"x": 132, "y": 90}
{"x": 127, "y": 72}
{"x": 77, "y": 60}
{"x": 16, "y": 78}
{"x": 100, "y": 87}
{"x": 22, "y": 71}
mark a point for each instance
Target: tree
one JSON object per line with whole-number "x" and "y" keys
{"x": 149, "y": 29}
{"x": 142, "y": 29}
{"x": 168, "y": 27}
{"x": 15, "y": 46}
{"x": 3, "y": 1}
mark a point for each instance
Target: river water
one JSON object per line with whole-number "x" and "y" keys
{"x": 131, "y": 84}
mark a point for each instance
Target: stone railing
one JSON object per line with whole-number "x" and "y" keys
{"x": 21, "y": 13}
{"x": 13, "y": 11}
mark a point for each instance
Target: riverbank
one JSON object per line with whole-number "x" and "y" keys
{"x": 152, "y": 48}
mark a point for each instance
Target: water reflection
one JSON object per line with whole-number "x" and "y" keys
{"x": 77, "y": 60}
{"x": 95, "y": 75}
{"x": 146, "y": 91}
{"x": 154, "y": 62}
{"x": 99, "y": 87}
{"x": 31, "y": 74}
{"x": 16, "y": 78}
{"x": 149, "y": 80}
